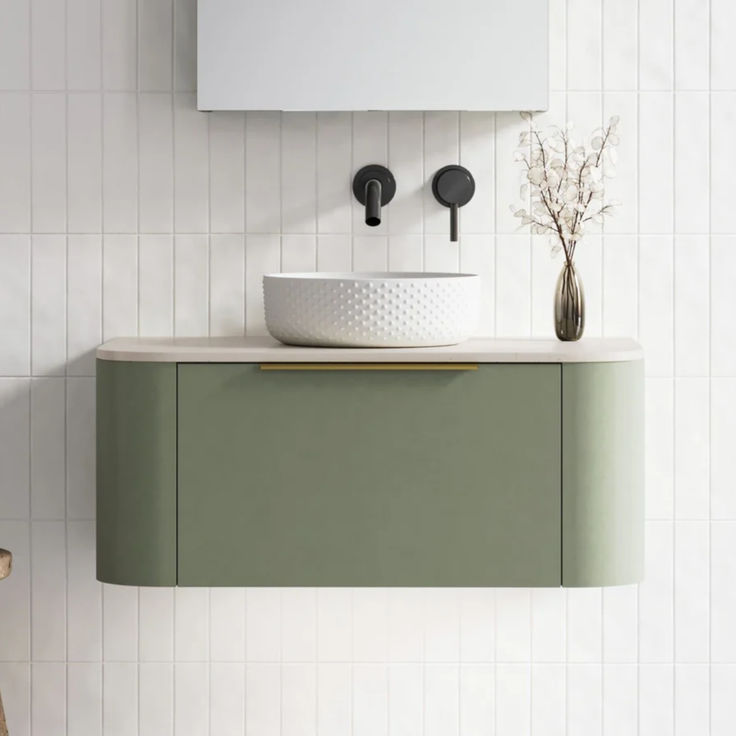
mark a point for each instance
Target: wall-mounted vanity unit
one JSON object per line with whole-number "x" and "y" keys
{"x": 244, "y": 462}
{"x": 372, "y": 55}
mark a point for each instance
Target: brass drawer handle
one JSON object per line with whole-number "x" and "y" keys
{"x": 369, "y": 366}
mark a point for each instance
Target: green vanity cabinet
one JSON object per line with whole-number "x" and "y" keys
{"x": 485, "y": 474}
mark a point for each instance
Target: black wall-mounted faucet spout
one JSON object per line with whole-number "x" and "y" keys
{"x": 374, "y": 186}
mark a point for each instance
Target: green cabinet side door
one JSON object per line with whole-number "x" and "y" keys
{"x": 369, "y": 477}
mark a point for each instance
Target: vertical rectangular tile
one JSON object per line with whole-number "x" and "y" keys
{"x": 191, "y": 619}
{"x": 723, "y": 53}
{"x": 441, "y": 146}
{"x": 656, "y": 31}
{"x": 227, "y": 285}
{"x": 299, "y": 625}
{"x": 15, "y": 43}
{"x": 263, "y": 172}
{"x": 48, "y": 50}
{"x": 120, "y": 699}
{"x": 334, "y": 163}
{"x": 120, "y": 163}
{"x": 227, "y": 699}
{"x": 583, "y": 45}
{"x": 80, "y": 448}
{"x": 84, "y": 596}
{"x": 723, "y": 461}
{"x": 156, "y": 163}
{"x": 692, "y": 169}
{"x": 298, "y": 700}
{"x": 477, "y": 153}
{"x": 155, "y": 42}
{"x": 16, "y": 594}
{"x": 156, "y": 285}
{"x": 548, "y": 699}
{"x": 441, "y": 700}
{"x": 15, "y": 403}
{"x": 656, "y": 303}
{"x": 477, "y": 685}
{"x": 584, "y": 710}
{"x": 621, "y": 185}
{"x": 584, "y": 625}
{"x": 692, "y": 448}
{"x": 370, "y": 146}
{"x": 477, "y": 625}
{"x": 620, "y": 624}
{"x": 84, "y": 302}
{"x": 263, "y": 625}
{"x": 185, "y": 45}
{"x": 370, "y": 625}
{"x": 620, "y": 59}
{"x": 48, "y": 305}
{"x": 549, "y": 607}
{"x": 298, "y": 172}
{"x": 262, "y": 255}
{"x": 406, "y": 608}
{"x": 405, "y": 145}
{"x": 656, "y": 595}
{"x": 692, "y": 591}
{"x": 120, "y": 623}
{"x": 507, "y": 176}
{"x": 692, "y": 48}
{"x": 48, "y": 454}
{"x": 119, "y": 64}
{"x": 227, "y": 172}
{"x": 513, "y": 696}
{"x": 620, "y": 699}
{"x": 723, "y": 595}
{"x": 334, "y": 253}
{"x": 656, "y": 711}
{"x": 545, "y": 266}
{"x": 191, "y": 166}
{"x": 84, "y": 699}
{"x": 48, "y": 698}
{"x": 692, "y": 305}
{"x": 659, "y": 441}
{"x": 84, "y": 162}
{"x": 15, "y": 305}
{"x": 298, "y": 253}
{"x": 513, "y": 633}
{"x": 620, "y": 276}
{"x": 441, "y": 625}
{"x": 692, "y": 698}
{"x": 191, "y": 292}
{"x": 15, "y": 681}
{"x": 723, "y": 150}
{"x": 405, "y": 253}
{"x": 156, "y": 699}
{"x": 48, "y": 591}
{"x": 656, "y": 162}
{"x": 83, "y": 44}
{"x": 15, "y": 152}
{"x": 557, "y": 44}
{"x": 513, "y": 280}
{"x": 227, "y": 624}
{"x": 156, "y": 624}
{"x": 370, "y": 700}
{"x": 48, "y": 162}
{"x": 405, "y": 699}
{"x": 333, "y": 699}
{"x": 370, "y": 253}
{"x": 263, "y": 688}
{"x": 334, "y": 624}
{"x": 723, "y": 682}
{"x": 191, "y": 697}
{"x": 723, "y": 299}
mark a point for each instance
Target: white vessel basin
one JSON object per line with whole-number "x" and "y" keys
{"x": 371, "y": 310}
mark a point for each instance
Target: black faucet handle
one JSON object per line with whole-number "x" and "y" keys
{"x": 453, "y": 186}
{"x": 374, "y": 186}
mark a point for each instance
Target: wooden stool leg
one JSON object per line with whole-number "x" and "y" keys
{"x": 3, "y": 724}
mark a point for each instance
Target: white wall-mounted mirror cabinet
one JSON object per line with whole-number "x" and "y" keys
{"x": 372, "y": 55}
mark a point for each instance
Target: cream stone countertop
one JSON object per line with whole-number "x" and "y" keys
{"x": 268, "y": 350}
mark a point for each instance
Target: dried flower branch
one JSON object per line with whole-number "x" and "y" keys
{"x": 564, "y": 182}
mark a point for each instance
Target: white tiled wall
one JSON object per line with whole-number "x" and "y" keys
{"x": 124, "y": 211}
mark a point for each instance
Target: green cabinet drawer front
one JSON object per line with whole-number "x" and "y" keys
{"x": 369, "y": 477}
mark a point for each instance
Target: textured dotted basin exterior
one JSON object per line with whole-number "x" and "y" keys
{"x": 372, "y": 311}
